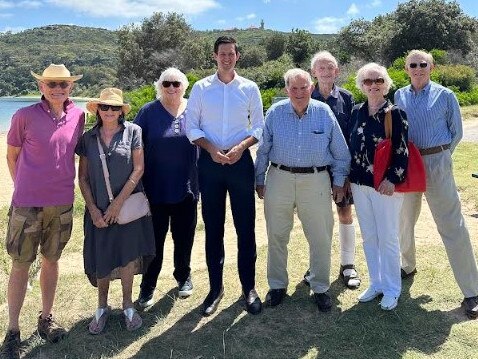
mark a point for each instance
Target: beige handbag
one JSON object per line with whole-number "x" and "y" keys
{"x": 135, "y": 206}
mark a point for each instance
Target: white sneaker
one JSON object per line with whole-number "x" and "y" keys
{"x": 388, "y": 302}
{"x": 368, "y": 295}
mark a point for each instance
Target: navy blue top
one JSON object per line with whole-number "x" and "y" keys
{"x": 170, "y": 171}
{"x": 341, "y": 102}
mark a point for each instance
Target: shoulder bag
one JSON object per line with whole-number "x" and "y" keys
{"x": 415, "y": 180}
{"x": 135, "y": 206}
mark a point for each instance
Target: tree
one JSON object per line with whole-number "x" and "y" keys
{"x": 252, "y": 56}
{"x": 275, "y": 45}
{"x": 299, "y": 44}
{"x": 147, "y": 49}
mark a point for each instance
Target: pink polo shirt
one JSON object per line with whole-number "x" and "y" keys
{"x": 45, "y": 168}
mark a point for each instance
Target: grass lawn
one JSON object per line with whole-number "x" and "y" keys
{"x": 428, "y": 321}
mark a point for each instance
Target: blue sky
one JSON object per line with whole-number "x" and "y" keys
{"x": 316, "y": 16}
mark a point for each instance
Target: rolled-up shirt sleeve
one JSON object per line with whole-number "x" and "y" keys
{"x": 256, "y": 113}
{"x": 340, "y": 165}
{"x": 262, "y": 154}
{"x": 193, "y": 121}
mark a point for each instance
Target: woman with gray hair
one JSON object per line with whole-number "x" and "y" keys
{"x": 378, "y": 209}
{"x": 170, "y": 180}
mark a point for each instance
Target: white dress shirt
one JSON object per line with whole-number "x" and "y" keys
{"x": 224, "y": 114}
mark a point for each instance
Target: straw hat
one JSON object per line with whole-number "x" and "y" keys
{"x": 109, "y": 96}
{"x": 56, "y": 73}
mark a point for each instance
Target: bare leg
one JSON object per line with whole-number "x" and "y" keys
{"x": 48, "y": 282}
{"x": 103, "y": 288}
{"x": 17, "y": 288}
{"x": 127, "y": 275}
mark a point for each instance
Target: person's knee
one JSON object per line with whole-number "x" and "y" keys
{"x": 345, "y": 214}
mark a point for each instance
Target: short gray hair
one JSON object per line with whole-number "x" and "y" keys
{"x": 293, "y": 73}
{"x": 323, "y": 55}
{"x": 171, "y": 74}
{"x": 426, "y": 55}
{"x": 373, "y": 67}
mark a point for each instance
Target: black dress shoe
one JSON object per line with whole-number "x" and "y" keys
{"x": 406, "y": 275}
{"x": 306, "y": 278}
{"x": 471, "y": 307}
{"x": 275, "y": 296}
{"x": 323, "y": 301}
{"x": 253, "y": 302}
{"x": 212, "y": 302}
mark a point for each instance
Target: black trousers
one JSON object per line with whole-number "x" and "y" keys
{"x": 215, "y": 181}
{"x": 183, "y": 219}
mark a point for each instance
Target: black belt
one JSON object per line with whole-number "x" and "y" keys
{"x": 433, "y": 150}
{"x": 299, "y": 169}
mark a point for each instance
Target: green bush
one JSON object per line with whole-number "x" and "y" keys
{"x": 468, "y": 98}
{"x": 459, "y": 76}
{"x": 268, "y": 95}
{"x": 137, "y": 98}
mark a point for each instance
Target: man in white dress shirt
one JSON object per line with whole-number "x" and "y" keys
{"x": 225, "y": 117}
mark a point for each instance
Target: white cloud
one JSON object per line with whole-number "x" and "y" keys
{"x": 136, "y": 8}
{"x": 375, "y": 3}
{"x": 222, "y": 21}
{"x": 6, "y": 5}
{"x": 266, "y": 1}
{"x": 30, "y": 4}
{"x": 353, "y": 10}
{"x": 246, "y": 17}
{"x": 12, "y": 29}
{"x": 5, "y": 15}
{"x": 329, "y": 25}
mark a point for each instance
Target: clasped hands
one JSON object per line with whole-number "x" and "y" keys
{"x": 110, "y": 216}
{"x": 227, "y": 158}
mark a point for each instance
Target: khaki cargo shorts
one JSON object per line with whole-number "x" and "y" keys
{"x": 31, "y": 227}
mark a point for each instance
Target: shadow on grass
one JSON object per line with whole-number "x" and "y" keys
{"x": 296, "y": 329}
{"x": 81, "y": 344}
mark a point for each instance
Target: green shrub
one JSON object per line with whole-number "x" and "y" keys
{"x": 268, "y": 95}
{"x": 459, "y": 76}
{"x": 468, "y": 98}
{"x": 137, "y": 98}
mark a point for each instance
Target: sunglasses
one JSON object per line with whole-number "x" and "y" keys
{"x": 104, "y": 107}
{"x": 369, "y": 82}
{"x": 169, "y": 83}
{"x": 53, "y": 84}
{"x": 413, "y": 65}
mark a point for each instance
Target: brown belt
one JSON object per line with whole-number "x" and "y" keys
{"x": 299, "y": 169}
{"x": 433, "y": 150}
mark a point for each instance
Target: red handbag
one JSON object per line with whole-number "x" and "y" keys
{"x": 415, "y": 180}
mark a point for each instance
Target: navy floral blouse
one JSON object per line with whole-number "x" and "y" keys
{"x": 367, "y": 133}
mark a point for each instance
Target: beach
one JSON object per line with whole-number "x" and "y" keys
{"x": 6, "y": 183}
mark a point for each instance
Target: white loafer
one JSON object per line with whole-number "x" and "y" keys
{"x": 368, "y": 295}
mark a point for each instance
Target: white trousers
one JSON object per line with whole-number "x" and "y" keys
{"x": 378, "y": 217}
{"x": 444, "y": 203}
{"x": 310, "y": 194}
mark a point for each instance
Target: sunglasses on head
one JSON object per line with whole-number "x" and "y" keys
{"x": 169, "y": 83}
{"x": 369, "y": 82}
{"x": 413, "y": 65}
{"x": 104, "y": 107}
{"x": 53, "y": 84}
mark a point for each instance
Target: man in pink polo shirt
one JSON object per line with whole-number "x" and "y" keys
{"x": 40, "y": 155}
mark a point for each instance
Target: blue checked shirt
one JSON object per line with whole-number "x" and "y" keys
{"x": 433, "y": 115}
{"x": 315, "y": 139}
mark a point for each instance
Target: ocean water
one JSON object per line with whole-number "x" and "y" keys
{"x": 9, "y": 105}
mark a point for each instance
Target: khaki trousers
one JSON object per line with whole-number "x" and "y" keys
{"x": 444, "y": 202}
{"x": 310, "y": 195}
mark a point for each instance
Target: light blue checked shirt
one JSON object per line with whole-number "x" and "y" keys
{"x": 433, "y": 115}
{"x": 315, "y": 139}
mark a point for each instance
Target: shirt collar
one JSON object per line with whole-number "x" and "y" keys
{"x": 290, "y": 109}
{"x": 217, "y": 79}
{"x": 67, "y": 105}
{"x": 334, "y": 93}
{"x": 424, "y": 90}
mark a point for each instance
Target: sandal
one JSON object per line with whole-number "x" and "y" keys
{"x": 98, "y": 323}
{"x": 132, "y": 319}
{"x": 349, "y": 276}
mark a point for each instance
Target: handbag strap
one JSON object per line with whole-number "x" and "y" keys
{"x": 106, "y": 173}
{"x": 388, "y": 122}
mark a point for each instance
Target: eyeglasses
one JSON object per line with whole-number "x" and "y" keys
{"x": 104, "y": 107}
{"x": 413, "y": 65}
{"x": 369, "y": 82}
{"x": 169, "y": 83}
{"x": 53, "y": 84}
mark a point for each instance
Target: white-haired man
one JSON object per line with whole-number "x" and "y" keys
{"x": 301, "y": 139}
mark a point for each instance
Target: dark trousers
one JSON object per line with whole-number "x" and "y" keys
{"x": 183, "y": 219}
{"x": 215, "y": 181}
